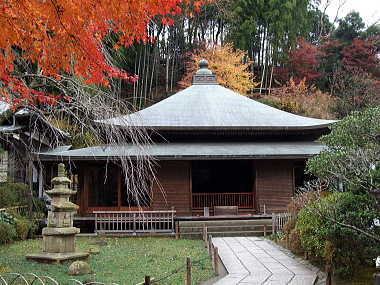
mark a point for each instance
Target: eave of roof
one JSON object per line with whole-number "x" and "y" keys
{"x": 191, "y": 151}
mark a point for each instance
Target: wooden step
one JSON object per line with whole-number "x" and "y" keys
{"x": 194, "y": 229}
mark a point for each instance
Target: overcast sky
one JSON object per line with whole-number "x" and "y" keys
{"x": 369, "y": 9}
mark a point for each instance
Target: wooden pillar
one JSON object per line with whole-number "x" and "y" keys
{"x": 86, "y": 188}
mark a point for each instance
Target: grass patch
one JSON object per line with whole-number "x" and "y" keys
{"x": 122, "y": 260}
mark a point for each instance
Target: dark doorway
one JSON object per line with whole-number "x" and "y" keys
{"x": 103, "y": 186}
{"x": 222, "y": 176}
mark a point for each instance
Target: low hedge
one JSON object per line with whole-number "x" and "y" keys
{"x": 7, "y": 233}
{"x": 13, "y": 194}
{"x": 14, "y": 227}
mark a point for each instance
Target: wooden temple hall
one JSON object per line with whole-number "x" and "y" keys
{"x": 219, "y": 149}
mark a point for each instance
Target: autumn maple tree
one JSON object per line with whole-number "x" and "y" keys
{"x": 303, "y": 63}
{"x": 65, "y": 37}
{"x": 363, "y": 54}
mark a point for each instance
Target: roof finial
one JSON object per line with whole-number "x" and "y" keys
{"x": 204, "y": 75}
{"x": 203, "y": 63}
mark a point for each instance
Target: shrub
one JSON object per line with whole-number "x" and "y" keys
{"x": 21, "y": 225}
{"x": 13, "y": 194}
{"x": 7, "y": 232}
{"x": 24, "y": 227}
{"x": 299, "y": 202}
{"x": 329, "y": 242}
{"x": 294, "y": 242}
{"x": 301, "y": 99}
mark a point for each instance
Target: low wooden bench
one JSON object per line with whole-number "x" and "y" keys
{"x": 226, "y": 210}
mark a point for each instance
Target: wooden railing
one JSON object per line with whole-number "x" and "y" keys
{"x": 279, "y": 221}
{"x": 134, "y": 221}
{"x": 242, "y": 200}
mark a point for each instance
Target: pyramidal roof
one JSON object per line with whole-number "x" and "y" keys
{"x": 206, "y": 105}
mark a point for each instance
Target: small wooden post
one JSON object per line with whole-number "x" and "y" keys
{"x": 273, "y": 223}
{"x": 205, "y": 234}
{"x": 210, "y": 245}
{"x": 215, "y": 261}
{"x": 177, "y": 233}
{"x": 189, "y": 275}
{"x": 265, "y": 230}
{"x": 147, "y": 280}
{"x": 328, "y": 274}
{"x": 376, "y": 279}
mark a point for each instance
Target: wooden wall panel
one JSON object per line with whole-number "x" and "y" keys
{"x": 274, "y": 184}
{"x": 174, "y": 177}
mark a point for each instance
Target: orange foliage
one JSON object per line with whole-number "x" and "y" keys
{"x": 301, "y": 99}
{"x": 229, "y": 64}
{"x": 65, "y": 35}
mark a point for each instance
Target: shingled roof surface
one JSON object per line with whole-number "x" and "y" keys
{"x": 214, "y": 107}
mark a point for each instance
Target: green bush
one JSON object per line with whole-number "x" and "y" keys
{"x": 21, "y": 227}
{"x": 7, "y": 232}
{"x": 332, "y": 243}
{"x": 13, "y": 194}
{"x": 24, "y": 227}
{"x": 294, "y": 242}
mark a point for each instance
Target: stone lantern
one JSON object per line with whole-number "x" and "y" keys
{"x": 59, "y": 235}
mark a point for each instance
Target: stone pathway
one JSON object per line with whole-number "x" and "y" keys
{"x": 256, "y": 261}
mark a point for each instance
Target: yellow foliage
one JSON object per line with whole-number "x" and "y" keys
{"x": 228, "y": 63}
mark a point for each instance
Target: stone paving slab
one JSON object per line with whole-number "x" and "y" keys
{"x": 256, "y": 261}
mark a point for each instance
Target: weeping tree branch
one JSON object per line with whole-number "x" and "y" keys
{"x": 79, "y": 117}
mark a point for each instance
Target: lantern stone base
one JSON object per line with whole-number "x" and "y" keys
{"x": 57, "y": 257}
{"x": 59, "y": 240}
